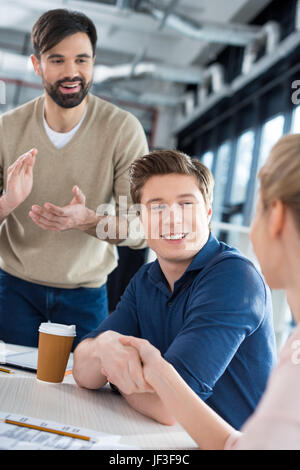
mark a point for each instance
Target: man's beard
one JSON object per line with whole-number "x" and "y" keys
{"x": 67, "y": 100}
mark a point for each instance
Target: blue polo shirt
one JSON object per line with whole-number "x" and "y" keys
{"x": 215, "y": 328}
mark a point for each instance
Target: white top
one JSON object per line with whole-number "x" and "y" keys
{"x": 60, "y": 139}
{"x": 275, "y": 424}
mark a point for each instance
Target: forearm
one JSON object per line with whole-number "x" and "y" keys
{"x": 113, "y": 229}
{"x": 5, "y": 208}
{"x": 149, "y": 404}
{"x": 205, "y": 426}
{"x": 87, "y": 365}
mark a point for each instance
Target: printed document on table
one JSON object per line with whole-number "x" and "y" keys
{"x": 14, "y": 437}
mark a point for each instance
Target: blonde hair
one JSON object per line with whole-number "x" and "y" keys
{"x": 280, "y": 176}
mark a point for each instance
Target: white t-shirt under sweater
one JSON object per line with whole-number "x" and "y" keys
{"x": 275, "y": 424}
{"x": 60, "y": 139}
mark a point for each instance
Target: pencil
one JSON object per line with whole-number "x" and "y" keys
{"x": 8, "y": 371}
{"x": 41, "y": 428}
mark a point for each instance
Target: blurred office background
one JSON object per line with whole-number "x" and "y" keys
{"x": 217, "y": 79}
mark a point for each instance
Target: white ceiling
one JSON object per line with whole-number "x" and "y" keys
{"x": 125, "y": 36}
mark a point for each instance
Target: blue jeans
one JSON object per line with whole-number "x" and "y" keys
{"x": 25, "y": 305}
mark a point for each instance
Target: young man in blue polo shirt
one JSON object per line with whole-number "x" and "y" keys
{"x": 201, "y": 303}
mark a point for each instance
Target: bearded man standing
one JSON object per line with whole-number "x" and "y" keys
{"x": 53, "y": 267}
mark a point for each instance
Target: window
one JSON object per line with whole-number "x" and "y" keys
{"x": 221, "y": 178}
{"x": 271, "y": 133}
{"x": 242, "y": 167}
{"x": 207, "y": 159}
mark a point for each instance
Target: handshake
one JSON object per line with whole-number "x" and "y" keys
{"x": 49, "y": 217}
{"x": 127, "y": 362}
{"x": 134, "y": 366}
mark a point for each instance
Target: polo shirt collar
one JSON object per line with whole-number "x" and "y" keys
{"x": 207, "y": 252}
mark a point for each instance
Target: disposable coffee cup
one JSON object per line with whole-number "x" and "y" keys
{"x": 55, "y": 343}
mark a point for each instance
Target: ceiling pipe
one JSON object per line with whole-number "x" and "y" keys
{"x": 284, "y": 48}
{"x": 272, "y": 31}
{"x": 187, "y": 75}
{"x": 148, "y": 99}
{"x": 17, "y": 69}
{"x": 270, "y": 39}
{"x": 214, "y": 81}
{"x": 12, "y": 65}
{"x": 214, "y": 75}
{"x": 253, "y": 38}
{"x": 122, "y": 4}
{"x": 230, "y": 34}
{"x": 206, "y": 79}
{"x": 297, "y": 16}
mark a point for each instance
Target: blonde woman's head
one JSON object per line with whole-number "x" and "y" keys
{"x": 275, "y": 232}
{"x": 280, "y": 176}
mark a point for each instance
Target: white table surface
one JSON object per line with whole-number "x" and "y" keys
{"x": 100, "y": 410}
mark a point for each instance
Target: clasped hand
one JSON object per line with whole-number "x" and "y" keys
{"x": 121, "y": 364}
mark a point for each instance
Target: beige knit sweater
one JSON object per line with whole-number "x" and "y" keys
{"x": 97, "y": 160}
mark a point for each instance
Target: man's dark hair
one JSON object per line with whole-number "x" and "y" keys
{"x": 55, "y": 25}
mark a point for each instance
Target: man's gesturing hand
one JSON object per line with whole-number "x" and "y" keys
{"x": 121, "y": 365}
{"x": 20, "y": 179}
{"x": 57, "y": 219}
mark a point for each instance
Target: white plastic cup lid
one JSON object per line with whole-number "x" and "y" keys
{"x": 57, "y": 329}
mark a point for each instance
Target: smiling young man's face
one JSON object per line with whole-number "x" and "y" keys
{"x": 174, "y": 216}
{"x": 67, "y": 70}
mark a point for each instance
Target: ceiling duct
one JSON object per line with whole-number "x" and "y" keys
{"x": 187, "y": 75}
{"x": 122, "y": 4}
{"x": 162, "y": 99}
{"x": 284, "y": 48}
{"x": 159, "y": 71}
{"x": 270, "y": 39}
{"x": 208, "y": 79}
{"x": 19, "y": 67}
{"x": 230, "y": 34}
{"x": 16, "y": 65}
{"x": 253, "y": 38}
